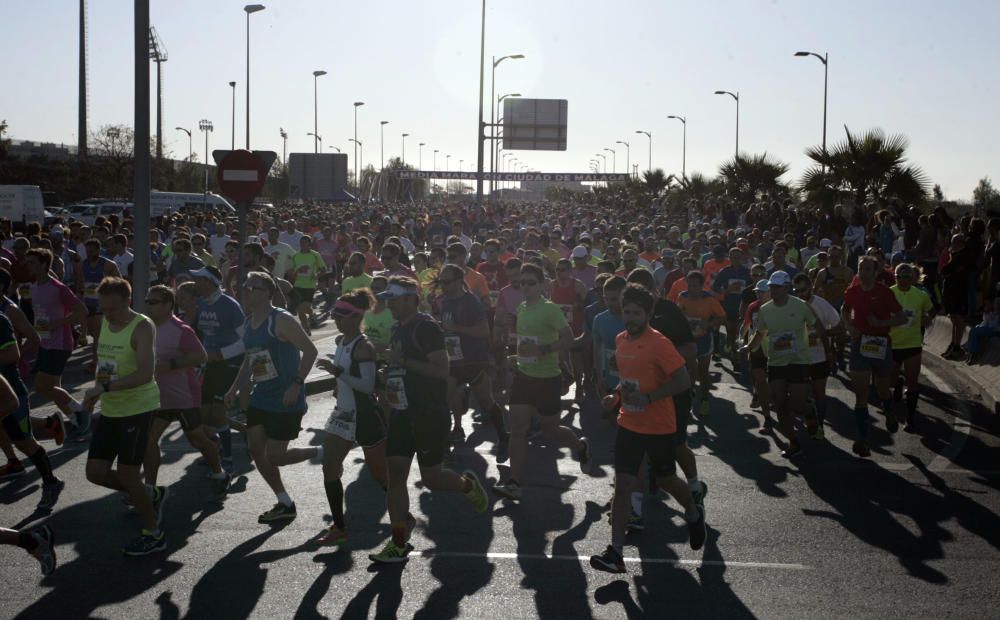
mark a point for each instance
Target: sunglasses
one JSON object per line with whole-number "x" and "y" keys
{"x": 154, "y": 302}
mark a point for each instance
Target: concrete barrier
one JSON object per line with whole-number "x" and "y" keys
{"x": 983, "y": 376}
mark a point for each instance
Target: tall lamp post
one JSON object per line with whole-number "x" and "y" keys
{"x": 188, "y": 132}
{"x": 614, "y": 159}
{"x": 496, "y": 145}
{"x": 250, "y": 10}
{"x": 357, "y": 168}
{"x": 403, "y": 160}
{"x": 284, "y": 145}
{"x": 358, "y": 148}
{"x": 420, "y": 155}
{"x": 628, "y": 155}
{"x": 493, "y": 95}
{"x": 650, "y": 136}
{"x": 604, "y": 158}
{"x": 684, "y": 146}
{"x": 823, "y": 59}
{"x": 206, "y": 126}
{"x": 336, "y": 148}
{"x": 317, "y": 140}
{"x": 736, "y": 97}
{"x": 381, "y": 136}
{"x": 232, "y": 86}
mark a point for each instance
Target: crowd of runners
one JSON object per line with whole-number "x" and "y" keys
{"x": 446, "y": 309}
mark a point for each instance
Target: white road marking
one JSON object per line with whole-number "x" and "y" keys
{"x": 583, "y": 558}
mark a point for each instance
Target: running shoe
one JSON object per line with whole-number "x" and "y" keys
{"x": 861, "y": 449}
{"x": 697, "y": 532}
{"x": 767, "y": 427}
{"x": 146, "y": 544}
{"x": 333, "y": 537}
{"x": 698, "y": 494}
{"x": 12, "y": 469}
{"x": 82, "y": 422}
{"x": 511, "y": 490}
{"x": 503, "y": 448}
{"x": 635, "y": 523}
{"x": 891, "y": 423}
{"x": 50, "y": 495}
{"x": 280, "y": 512}
{"x": 391, "y": 554}
{"x": 221, "y": 481}
{"x": 45, "y": 550}
{"x": 794, "y": 449}
{"x": 610, "y": 561}
{"x": 159, "y": 497}
{"x": 237, "y": 421}
{"x": 819, "y": 433}
{"x": 703, "y": 409}
{"x": 754, "y": 402}
{"x": 57, "y": 428}
{"x": 477, "y": 494}
{"x": 457, "y": 434}
{"x": 586, "y": 457}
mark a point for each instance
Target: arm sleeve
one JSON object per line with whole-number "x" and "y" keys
{"x": 366, "y": 382}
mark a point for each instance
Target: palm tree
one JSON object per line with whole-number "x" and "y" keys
{"x": 862, "y": 168}
{"x": 746, "y": 176}
{"x": 656, "y": 181}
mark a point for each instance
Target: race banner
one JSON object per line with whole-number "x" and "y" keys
{"x": 580, "y": 177}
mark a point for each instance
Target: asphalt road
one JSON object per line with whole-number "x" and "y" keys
{"x": 911, "y": 533}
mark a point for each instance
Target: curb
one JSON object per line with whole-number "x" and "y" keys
{"x": 953, "y": 373}
{"x": 320, "y": 384}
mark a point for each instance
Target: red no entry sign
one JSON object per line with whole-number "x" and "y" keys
{"x": 241, "y": 174}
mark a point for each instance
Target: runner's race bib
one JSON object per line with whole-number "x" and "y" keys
{"x": 526, "y": 359}
{"x": 736, "y": 286}
{"x": 90, "y": 291}
{"x": 611, "y": 362}
{"x": 494, "y": 298}
{"x": 453, "y": 344}
{"x": 911, "y": 318}
{"x": 783, "y": 345}
{"x": 567, "y": 310}
{"x": 24, "y": 292}
{"x": 697, "y": 327}
{"x": 107, "y": 370}
{"x": 262, "y": 366}
{"x": 874, "y": 347}
{"x": 395, "y": 389}
{"x": 813, "y": 339}
{"x": 342, "y": 423}
{"x": 630, "y": 386}
{"x": 42, "y": 325}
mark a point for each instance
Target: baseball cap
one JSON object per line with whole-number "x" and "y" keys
{"x": 580, "y": 252}
{"x": 585, "y": 236}
{"x": 779, "y": 278}
{"x": 667, "y": 253}
{"x": 761, "y": 286}
{"x": 208, "y": 272}
{"x": 719, "y": 250}
{"x": 396, "y": 290}
{"x": 825, "y": 243}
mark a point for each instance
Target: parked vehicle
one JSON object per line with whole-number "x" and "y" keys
{"x": 161, "y": 203}
{"x": 21, "y": 203}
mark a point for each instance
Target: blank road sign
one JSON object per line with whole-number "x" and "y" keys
{"x": 534, "y": 124}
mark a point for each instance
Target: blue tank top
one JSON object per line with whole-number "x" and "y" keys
{"x": 92, "y": 276}
{"x": 274, "y": 365}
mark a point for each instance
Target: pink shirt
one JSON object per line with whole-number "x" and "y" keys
{"x": 179, "y": 389}
{"x": 53, "y": 301}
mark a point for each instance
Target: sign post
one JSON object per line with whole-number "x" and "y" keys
{"x": 241, "y": 175}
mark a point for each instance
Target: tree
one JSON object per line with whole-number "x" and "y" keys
{"x": 4, "y": 140}
{"x": 937, "y": 193}
{"x": 862, "y": 168}
{"x": 656, "y": 182}
{"x": 985, "y": 196}
{"x": 747, "y": 176}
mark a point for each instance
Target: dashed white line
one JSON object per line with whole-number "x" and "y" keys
{"x": 582, "y": 558}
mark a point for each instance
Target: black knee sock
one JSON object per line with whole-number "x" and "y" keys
{"x": 26, "y": 541}
{"x": 41, "y": 460}
{"x": 911, "y": 402}
{"x": 496, "y": 418}
{"x": 335, "y": 495}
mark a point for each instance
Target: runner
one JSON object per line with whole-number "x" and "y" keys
{"x": 704, "y": 314}
{"x": 357, "y": 418}
{"x": 758, "y": 357}
{"x": 786, "y": 322}
{"x": 466, "y": 337}
{"x": 95, "y": 268}
{"x": 307, "y": 266}
{"x": 569, "y": 294}
{"x": 821, "y": 350}
{"x": 542, "y": 335}
{"x": 870, "y": 311}
{"x": 652, "y": 371}
{"x": 279, "y": 356}
{"x": 729, "y": 283}
{"x": 220, "y": 325}
{"x": 416, "y": 390}
{"x": 128, "y": 395}
{"x": 178, "y": 354}
{"x": 355, "y": 276}
{"x": 908, "y": 339}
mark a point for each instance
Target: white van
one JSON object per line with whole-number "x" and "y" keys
{"x": 22, "y": 203}
{"x": 89, "y": 214}
{"x": 161, "y": 203}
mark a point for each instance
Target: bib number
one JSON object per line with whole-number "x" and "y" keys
{"x": 453, "y": 344}
{"x": 567, "y": 310}
{"x": 813, "y": 339}
{"x": 395, "y": 390}
{"x": 262, "y": 367}
{"x": 494, "y": 298}
{"x": 526, "y": 359}
{"x": 107, "y": 370}
{"x": 90, "y": 291}
{"x": 342, "y": 423}
{"x": 736, "y": 286}
{"x": 611, "y": 362}
{"x": 911, "y": 318}
{"x": 874, "y": 347}
{"x": 630, "y": 386}
{"x": 697, "y": 327}
{"x": 783, "y": 345}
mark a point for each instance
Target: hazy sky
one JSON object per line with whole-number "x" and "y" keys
{"x": 924, "y": 69}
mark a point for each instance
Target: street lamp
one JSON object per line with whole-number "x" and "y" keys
{"x": 736, "y": 97}
{"x": 650, "y": 136}
{"x": 604, "y": 158}
{"x": 684, "y": 148}
{"x": 381, "y": 136}
{"x": 250, "y": 9}
{"x": 493, "y": 94}
{"x": 206, "y": 126}
{"x": 316, "y": 138}
{"x": 232, "y": 85}
{"x": 284, "y": 145}
{"x": 334, "y": 147}
{"x": 188, "y": 132}
{"x": 316, "y": 145}
{"x": 496, "y": 145}
{"x": 614, "y": 159}
{"x": 358, "y": 147}
{"x": 357, "y": 170}
{"x": 420, "y": 155}
{"x": 447, "y": 163}
{"x": 823, "y": 59}
{"x": 403, "y": 159}
{"x": 628, "y": 154}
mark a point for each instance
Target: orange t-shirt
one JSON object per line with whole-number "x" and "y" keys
{"x": 476, "y": 282}
{"x": 679, "y": 286}
{"x": 646, "y": 363}
{"x": 711, "y": 269}
{"x": 700, "y": 311}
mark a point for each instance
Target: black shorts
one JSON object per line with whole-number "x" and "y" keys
{"x": 819, "y": 370}
{"x": 124, "y": 438}
{"x": 51, "y": 361}
{"x": 219, "y": 378}
{"x": 94, "y": 311}
{"x": 544, "y": 394}
{"x": 682, "y": 411}
{"x": 901, "y": 355}
{"x": 190, "y": 419}
{"x": 469, "y": 373}
{"x": 418, "y": 432}
{"x": 369, "y": 425}
{"x": 17, "y": 423}
{"x": 302, "y": 296}
{"x": 278, "y": 425}
{"x": 792, "y": 373}
{"x": 758, "y": 361}
{"x": 630, "y": 447}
